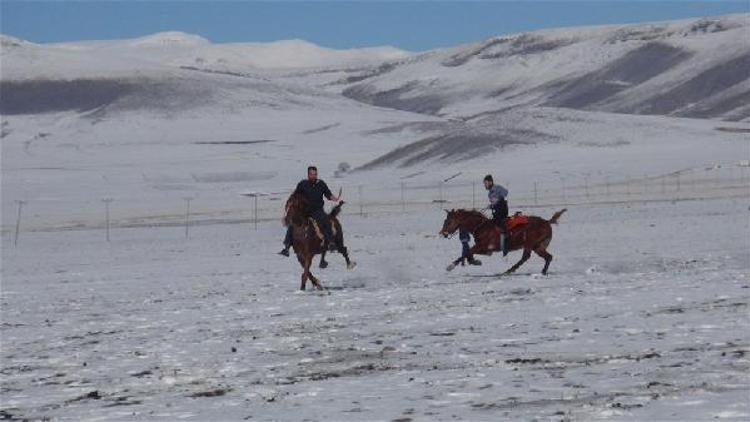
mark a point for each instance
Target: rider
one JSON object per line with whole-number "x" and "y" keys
{"x": 499, "y": 207}
{"x": 313, "y": 190}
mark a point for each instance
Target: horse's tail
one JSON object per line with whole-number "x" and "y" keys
{"x": 556, "y": 216}
{"x": 336, "y": 210}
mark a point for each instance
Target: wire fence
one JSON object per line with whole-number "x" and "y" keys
{"x": 404, "y": 197}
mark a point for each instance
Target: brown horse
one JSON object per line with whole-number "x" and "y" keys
{"x": 535, "y": 235}
{"x": 307, "y": 241}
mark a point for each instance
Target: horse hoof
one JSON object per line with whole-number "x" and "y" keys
{"x": 450, "y": 267}
{"x": 323, "y": 264}
{"x": 351, "y": 265}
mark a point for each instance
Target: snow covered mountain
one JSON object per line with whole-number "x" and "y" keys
{"x": 695, "y": 68}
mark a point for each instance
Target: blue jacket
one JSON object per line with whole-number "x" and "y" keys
{"x": 495, "y": 193}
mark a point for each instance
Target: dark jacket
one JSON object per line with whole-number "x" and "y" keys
{"x": 314, "y": 193}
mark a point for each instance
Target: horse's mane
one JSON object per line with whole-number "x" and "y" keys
{"x": 298, "y": 197}
{"x": 296, "y": 204}
{"x": 473, "y": 213}
{"x": 301, "y": 201}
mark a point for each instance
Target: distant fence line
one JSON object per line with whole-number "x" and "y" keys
{"x": 406, "y": 197}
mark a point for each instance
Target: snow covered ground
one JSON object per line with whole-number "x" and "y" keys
{"x": 643, "y": 317}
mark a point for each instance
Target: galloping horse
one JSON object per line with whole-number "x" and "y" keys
{"x": 534, "y": 235}
{"x": 307, "y": 240}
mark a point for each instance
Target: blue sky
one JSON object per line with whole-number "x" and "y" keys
{"x": 416, "y": 25}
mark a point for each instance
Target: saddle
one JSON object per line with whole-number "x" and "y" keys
{"x": 318, "y": 232}
{"x": 516, "y": 221}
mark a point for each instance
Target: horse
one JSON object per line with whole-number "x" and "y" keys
{"x": 307, "y": 240}
{"x": 535, "y": 235}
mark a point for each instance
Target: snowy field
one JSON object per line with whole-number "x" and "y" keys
{"x": 641, "y": 131}
{"x": 643, "y": 317}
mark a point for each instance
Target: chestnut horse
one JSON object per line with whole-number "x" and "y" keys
{"x": 535, "y": 235}
{"x": 307, "y": 241}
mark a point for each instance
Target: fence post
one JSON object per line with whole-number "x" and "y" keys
{"x": 187, "y": 216}
{"x": 361, "y": 207}
{"x": 255, "y": 212}
{"x": 440, "y": 187}
{"x": 718, "y": 177}
{"x": 606, "y": 183}
{"x": 403, "y": 200}
{"x": 18, "y": 222}
{"x": 536, "y": 196}
{"x": 678, "y": 182}
{"x": 586, "y": 186}
{"x": 106, "y": 214}
{"x": 627, "y": 187}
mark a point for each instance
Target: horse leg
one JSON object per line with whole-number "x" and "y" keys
{"x": 541, "y": 250}
{"x": 453, "y": 264}
{"x": 316, "y": 282}
{"x": 343, "y": 250}
{"x": 313, "y": 280}
{"x": 323, "y": 262}
{"x": 547, "y": 258}
{"x": 474, "y": 250}
{"x": 524, "y": 258}
{"x": 305, "y": 271}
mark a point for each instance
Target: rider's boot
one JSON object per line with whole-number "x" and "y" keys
{"x": 504, "y": 243}
{"x": 473, "y": 261}
{"x": 285, "y": 251}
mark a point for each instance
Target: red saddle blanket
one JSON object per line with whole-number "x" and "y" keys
{"x": 516, "y": 221}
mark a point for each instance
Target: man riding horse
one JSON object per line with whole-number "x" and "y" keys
{"x": 499, "y": 206}
{"x": 314, "y": 189}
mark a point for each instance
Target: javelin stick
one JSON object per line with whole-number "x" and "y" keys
{"x": 339, "y": 195}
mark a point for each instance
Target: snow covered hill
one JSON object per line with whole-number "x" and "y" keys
{"x": 693, "y": 68}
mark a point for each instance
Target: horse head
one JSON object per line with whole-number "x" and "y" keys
{"x": 467, "y": 220}
{"x": 451, "y": 223}
{"x": 294, "y": 210}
